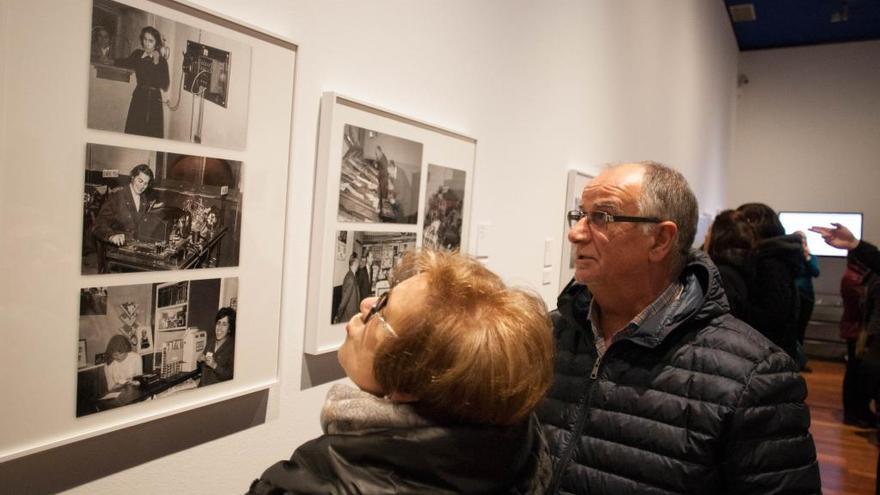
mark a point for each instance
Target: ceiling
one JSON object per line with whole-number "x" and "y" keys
{"x": 781, "y": 23}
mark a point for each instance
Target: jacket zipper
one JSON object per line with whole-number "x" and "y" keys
{"x": 579, "y": 425}
{"x": 595, "y": 373}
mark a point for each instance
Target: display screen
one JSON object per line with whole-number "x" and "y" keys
{"x": 803, "y": 220}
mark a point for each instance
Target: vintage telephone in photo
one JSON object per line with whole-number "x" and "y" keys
{"x": 205, "y": 74}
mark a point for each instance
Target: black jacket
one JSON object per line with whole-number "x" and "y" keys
{"x": 737, "y": 270}
{"x": 418, "y": 457}
{"x": 693, "y": 401}
{"x": 774, "y": 299}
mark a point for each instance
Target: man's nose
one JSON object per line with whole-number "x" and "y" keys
{"x": 579, "y": 232}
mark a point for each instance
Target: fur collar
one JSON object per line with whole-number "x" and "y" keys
{"x": 351, "y": 410}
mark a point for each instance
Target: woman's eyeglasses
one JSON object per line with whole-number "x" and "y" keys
{"x": 374, "y": 311}
{"x": 600, "y": 219}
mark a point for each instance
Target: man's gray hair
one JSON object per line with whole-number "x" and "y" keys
{"x": 667, "y": 196}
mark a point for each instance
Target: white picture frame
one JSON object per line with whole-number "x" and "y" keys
{"x": 43, "y": 226}
{"x": 360, "y": 203}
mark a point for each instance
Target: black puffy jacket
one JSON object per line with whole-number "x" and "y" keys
{"x": 774, "y": 296}
{"x": 441, "y": 460}
{"x": 693, "y": 401}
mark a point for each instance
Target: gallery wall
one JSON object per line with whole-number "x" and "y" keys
{"x": 542, "y": 90}
{"x": 807, "y": 130}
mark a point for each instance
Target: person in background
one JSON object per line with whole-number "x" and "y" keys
{"x": 124, "y": 364}
{"x": 852, "y": 294}
{"x": 658, "y": 388}
{"x": 365, "y": 275}
{"x": 778, "y": 259}
{"x": 348, "y": 300}
{"x": 730, "y": 243}
{"x": 145, "y": 115}
{"x": 861, "y": 251}
{"x": 447, "y": 369}
{"x": 806, "y": 297}
{"x": 219, "y": 359}
{"x": 869, "y": 350}
{"x": 101, "y": 46}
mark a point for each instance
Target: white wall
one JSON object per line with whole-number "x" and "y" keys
{"x": 808, "y": 131}
{"x": 543, "y": 86}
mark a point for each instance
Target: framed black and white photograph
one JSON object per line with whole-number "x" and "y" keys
{"x": 378, "y": 193}
{"x": 77, "y": 238}
{"x": 379, "y": 177}
{"x": 366, "y": 268}
{"x": 152, "y": 76}
{"x": 151, "y": 210}
{"x": 156, "y": 340}
{"x": 444, "y": 208}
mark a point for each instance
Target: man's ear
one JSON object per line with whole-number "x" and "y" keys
{"x": 665, "y": 237}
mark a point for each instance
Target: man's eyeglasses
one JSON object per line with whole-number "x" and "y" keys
{"x": 600, "y": 219}
{"x": 374, "y": 311}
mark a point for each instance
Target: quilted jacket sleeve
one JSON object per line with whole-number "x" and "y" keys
{"x": 769, "y": 448}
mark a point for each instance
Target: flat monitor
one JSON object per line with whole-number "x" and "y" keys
{"x": 803, "y": 220}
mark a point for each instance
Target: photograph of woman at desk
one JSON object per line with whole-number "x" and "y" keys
{"x": 218, "y": 362}
{"x": 150, "y": 210}
{"x": 190, "y": 325}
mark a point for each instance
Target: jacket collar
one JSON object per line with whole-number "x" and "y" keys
{"x": 351, "y": 410}
{"x": 702, "y": 298}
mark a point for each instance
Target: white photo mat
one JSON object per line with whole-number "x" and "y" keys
{"x": 440, "y": 147}
{"x": 43, "y": 136}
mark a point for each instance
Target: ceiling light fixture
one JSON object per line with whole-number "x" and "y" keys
{"x": 841, "y": 14}
{"x": 744, "y": 12}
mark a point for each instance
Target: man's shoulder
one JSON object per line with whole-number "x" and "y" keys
{"x": 727, "y": 337}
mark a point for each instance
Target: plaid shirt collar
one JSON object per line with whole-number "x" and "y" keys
{"x": 669, "y": 294}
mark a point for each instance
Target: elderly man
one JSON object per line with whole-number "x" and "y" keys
{"x": 658, "y": 388}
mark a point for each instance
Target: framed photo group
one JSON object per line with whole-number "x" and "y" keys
{"x": 157, "y": 209}
{"x": 392, "y": 184}
{"x": 159, "y": 259}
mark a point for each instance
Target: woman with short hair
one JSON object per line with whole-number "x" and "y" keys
{"x": 730, "y": 244}
{"x": 449, "y": 365}
{"x": 218, "y": 362}
{"x": 123, "y": 364}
